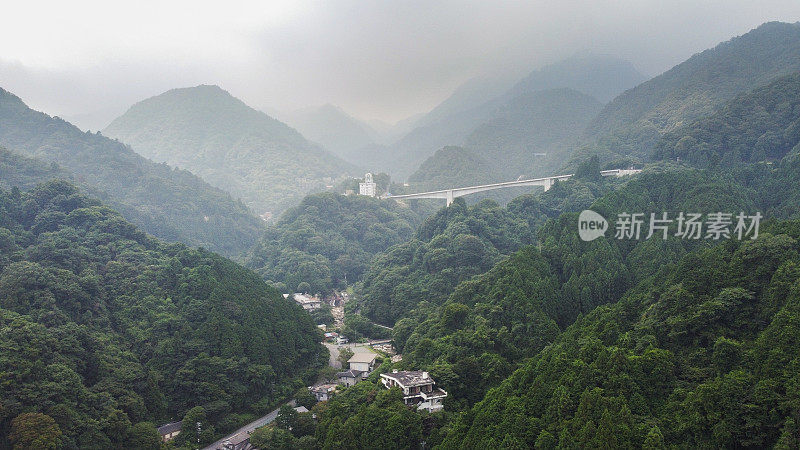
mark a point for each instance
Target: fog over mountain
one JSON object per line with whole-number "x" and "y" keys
{"x": 89, "y": 61}
{"x": 400, "y": 225}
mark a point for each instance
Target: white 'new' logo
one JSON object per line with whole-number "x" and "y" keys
{"x": 591, "y": 225}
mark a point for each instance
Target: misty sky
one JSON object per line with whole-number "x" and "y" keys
{"x": 89, "y": 60}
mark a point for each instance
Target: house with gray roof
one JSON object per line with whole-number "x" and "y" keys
{"x": 418, "y": 388}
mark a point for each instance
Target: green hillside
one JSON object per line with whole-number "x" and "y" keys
{"x": 104, "y": 328}
{"x": 452, "y": 166}
{"x": 204, "y": 129}
{"x": 329, "y": 240}
{"x": 762, "y": 125}
{"x": 458, "y": 243}
{"x": 19, "y": 171}
{"x": 633, "y": 122}
{"x": 171, "y": 204}
{"x": 703, "y": 354}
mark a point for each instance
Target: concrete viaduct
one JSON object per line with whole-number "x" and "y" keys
{"x": 547, "y": 182}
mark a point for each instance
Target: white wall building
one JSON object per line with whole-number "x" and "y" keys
{"x": 362, "y": 361}
{"x": 368, "y": 187}
{"x": 418, "y": 388}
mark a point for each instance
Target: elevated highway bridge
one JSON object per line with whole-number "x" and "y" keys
{"x": 547, "y": 182}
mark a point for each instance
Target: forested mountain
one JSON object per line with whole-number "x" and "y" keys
{"x": 458, "y": 243}
{"x": 494, "y": 321}
{"x": 105, "y": 331}
{"x": 533, "y": 134}
{"x": 337, "y": 131}
{"x": 762, "y": 125}
{"x": 701, "y": 354}
{"x": 452, "y": 166}
{"x": 600, "y": 76}
{"x": 329, "y": 240}
{"x": 633, "y": 122}
{"x": 459, "y": 116}
{"x": 267, "y": 164}
{"x": 635, "y": 371}
{"x": 25, "y": 173}
{"x": 168, "y": 203}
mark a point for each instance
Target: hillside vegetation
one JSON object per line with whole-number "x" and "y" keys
{"x": 458, "y": 243}
{"x": 103, "y": 327}
{"x": 701, "y": 354}
{"x": 762, "y": 125}
{"x": 171, "y": 204}
{"x": 630, "y": 126}
{"x": 329, "y": 240}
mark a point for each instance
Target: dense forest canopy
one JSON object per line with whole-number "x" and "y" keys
{"x": 703, "y": 353}
{"x": 329, "y": 240}
{"x": 760, "y": 126}
{"x": 458, "y": 243}
{"x": 171, "y": 204}
{"x": 104, "y": 327}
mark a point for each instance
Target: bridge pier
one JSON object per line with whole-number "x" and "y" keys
{"x": 449, "y": 197}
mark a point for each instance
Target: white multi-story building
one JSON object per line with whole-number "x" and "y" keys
{"x": 368, "y": 187}
{"x": 418, "y": 388}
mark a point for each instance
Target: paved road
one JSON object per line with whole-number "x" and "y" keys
{"x": 249, "y": 427}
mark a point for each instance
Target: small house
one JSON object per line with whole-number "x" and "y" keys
{"x": 363, "y": 361}
{"x": 323, "y": 392}
{"x": 169, "y": 431}
{"x": 349, "y": 377}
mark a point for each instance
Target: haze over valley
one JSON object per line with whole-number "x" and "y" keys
{"x": 400, "y": 225}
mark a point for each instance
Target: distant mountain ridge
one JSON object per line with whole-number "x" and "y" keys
{"x": 631, "y": 124}
{"x": 266, "y": 163}
{"x": 534, "y": 133}
{"x": 171, "y": 204}
{"x": 479, "y": 102}
{"x": 600, "y": 76}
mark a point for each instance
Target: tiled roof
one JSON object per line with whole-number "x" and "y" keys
{"x": 362, "y": 357}
{"x": 169, "y": 428}
{"x": 352, "y": 373}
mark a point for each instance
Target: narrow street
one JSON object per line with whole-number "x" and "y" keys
{"x": 249, "y": 427}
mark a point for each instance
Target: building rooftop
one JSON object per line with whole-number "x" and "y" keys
{"x": 349, "y": 373}
{"x": 301, "y": 409}
{"x": 410, "y": 378}
{"x": 169, "y": 428}
{"x": 324, "y": 388}
{"x": 362, "y": 357}
{"x": 303, "y": 298}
